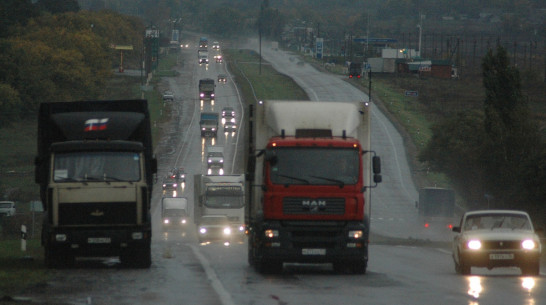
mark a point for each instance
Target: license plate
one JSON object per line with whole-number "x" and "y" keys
{"x": 99, "y": 240}
{"x": 501, "y": 256}
{"x": 313, "y": 251}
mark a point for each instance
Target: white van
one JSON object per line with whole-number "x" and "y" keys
{"x": 7, "y": 208}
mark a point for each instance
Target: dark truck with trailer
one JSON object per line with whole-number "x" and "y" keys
{"x": 209, "y": 124}
{"x": 206, "y": 89}
{"x": 355, "y": 70}
{"x": 95, "y": 167}
{"x": 437, "y": 208}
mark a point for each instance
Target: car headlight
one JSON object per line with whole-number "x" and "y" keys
{"x": 202, "y": 95}
{"x": 227, "y": 231}
{"x": 355, "y": 234}
{"x": 528, "y": 244}
{"x": 271, "y": 233}
{"x": 474, "y": 244}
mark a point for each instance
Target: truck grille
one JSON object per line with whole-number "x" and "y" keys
{"x": 97, "y": 213}
{"x": 313, "y": 206}
{"x": 316, "y": 237}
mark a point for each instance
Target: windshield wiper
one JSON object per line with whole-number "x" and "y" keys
{"x": 294, "y": 178}
{"x": 341, "y": 183}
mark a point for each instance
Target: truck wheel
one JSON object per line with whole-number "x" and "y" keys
{"x": 136, "y": 257}
{"x": 55, "y": 258}
{"x": 531, "y": 269}
{"x": 269, "y": 267}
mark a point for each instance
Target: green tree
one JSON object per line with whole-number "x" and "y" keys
{"x": 512, "y": 139}
{"x": 58, "y": 6}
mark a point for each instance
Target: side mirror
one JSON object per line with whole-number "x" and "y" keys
{"x": 271, "y": 157}
{"x": 376, "y": 164}
{"x": 456, "y": 229}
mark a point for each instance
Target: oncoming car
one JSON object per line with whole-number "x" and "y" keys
{"x": 222, "y": 78}
{"x": 230, "y": 127}
{"x": 496, "y": 238}
{"x": 214, "y": 228}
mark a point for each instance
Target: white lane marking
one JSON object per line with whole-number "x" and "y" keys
{"x": 223, "y": 294}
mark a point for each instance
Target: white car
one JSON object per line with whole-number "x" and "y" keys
{"x": 214, "y": 228}
{"x": 168, "y": 96}
{"x": 496, "y": 238}
{"x": 7, "y": 208}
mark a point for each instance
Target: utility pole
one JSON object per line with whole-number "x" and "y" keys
{"x": 420, "y": 26}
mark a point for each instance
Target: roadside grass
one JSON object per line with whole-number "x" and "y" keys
{"x": 260, "y": 83}
{"x": 20, "y": 270}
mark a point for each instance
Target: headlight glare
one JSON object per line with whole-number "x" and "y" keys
{"x": 271, "y": 233}
{"x": 528, "y": 244}
{"x": 474, "y": 244}
{"x": 355, "y": 234}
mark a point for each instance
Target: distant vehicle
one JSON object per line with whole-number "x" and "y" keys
{"x": 178, "y": 174}
{"x": 209, "y": 124}
{"x": 7, "y": 208}
{"x": 203, "y": 43}
{"x": 185, "y": 45}
{"x": 203, "y": 56}
{"x": 496, "y": 238}
{"x": 230, "y": 127}
{"x": 437, "y": 208}
{"x": 174, "y": 212}
{"x": 355, "y": 70}
{"x": 218, "y": 58}
{"x": 221, "y": 195}
{"x": 170, "y": 186}
{"x": 228, "y": 114}
{"x": 206, "y": 89}
{"x": 215, "y": 160}
{"x": 222, "y": 78}
{"x": 214, "y": 228}
{"x": 216, "y": 45}
{"x": 168, "y": 96}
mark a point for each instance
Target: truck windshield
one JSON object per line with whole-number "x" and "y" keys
{"x": 223, "y": 197}
{"x": 315, "y": 166}
{"x": 207, "y": 87}
{"x": 96, "y": 166}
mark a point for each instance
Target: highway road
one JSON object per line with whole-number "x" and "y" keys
{"x": 408, "y": 265}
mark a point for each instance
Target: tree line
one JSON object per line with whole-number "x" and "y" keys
{"x": 495, "y": 156}
{"x": 58, "y": 56}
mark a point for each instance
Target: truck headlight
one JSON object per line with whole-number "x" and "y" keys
{"x": 166, "y": 221}
{"x": 528, "y": 244}
{"x": 227, "y": 231}
{"x": 271, "y": 233}
{"x": 355, "y": 234}
{"x": 60, "y": 237}
{"x": 202, "y": 230}
{"x": 474, "y": 244}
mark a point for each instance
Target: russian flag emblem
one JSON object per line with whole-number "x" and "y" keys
{"x": 96, "y": 124}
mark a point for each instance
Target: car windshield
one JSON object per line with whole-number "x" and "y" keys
{"x": 96, "y": 166}
{"x": 497, "y": 221}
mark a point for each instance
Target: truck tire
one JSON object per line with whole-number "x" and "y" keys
{"x": 136, "y": 257}
{"x": 269, "y": 266}
{"x": 57, "y": 259}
